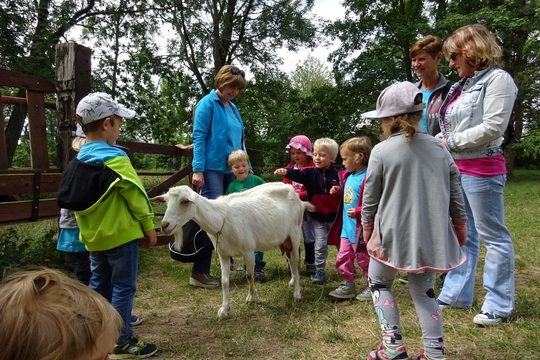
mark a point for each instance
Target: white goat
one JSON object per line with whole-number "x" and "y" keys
{"x": 258, "y": 219}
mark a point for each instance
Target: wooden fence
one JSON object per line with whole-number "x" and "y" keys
{"x": 29, "y": 194}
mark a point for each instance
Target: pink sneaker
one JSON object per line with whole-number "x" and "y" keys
{"x": 420, "y": 356}
{"x": 385, "y": 353}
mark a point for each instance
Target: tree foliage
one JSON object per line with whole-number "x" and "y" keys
{"x": 210, "y": 34}
{"x": 376, "y": 37}
{"x": 159, "y": 57}
{"x": 310, "y": 75}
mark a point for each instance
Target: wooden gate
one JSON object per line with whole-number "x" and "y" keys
{"x": 29, "y": 194}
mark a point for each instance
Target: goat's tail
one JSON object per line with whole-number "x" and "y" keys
{"x": 308, "y": 206}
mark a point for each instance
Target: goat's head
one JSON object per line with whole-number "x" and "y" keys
{"x": 181, "y": 208}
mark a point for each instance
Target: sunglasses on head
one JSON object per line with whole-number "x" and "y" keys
{"x": 237, "y": 71}
{"x": 453, "y": 56}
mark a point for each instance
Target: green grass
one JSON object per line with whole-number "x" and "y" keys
{"x": 182, "y": 320}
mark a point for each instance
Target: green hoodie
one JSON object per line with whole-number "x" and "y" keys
{"x": 119, "y": 210}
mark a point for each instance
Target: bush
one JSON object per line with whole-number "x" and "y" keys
{"x": 29, "y": 245}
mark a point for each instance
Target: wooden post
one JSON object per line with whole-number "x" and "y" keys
{"x": 3, "y": 152}
{"x": 73, "y": 80}
{"x": 38, "y": 129}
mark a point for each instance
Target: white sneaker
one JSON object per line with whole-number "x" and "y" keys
{"x": 346, "y": 290}
{"x": 488, "y": 319}
{"x": 365, "y": 295}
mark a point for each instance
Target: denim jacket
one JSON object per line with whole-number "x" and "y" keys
{"x": 473, "y": 126}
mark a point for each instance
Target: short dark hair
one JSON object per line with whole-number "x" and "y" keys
{"x": 431, "y": 44}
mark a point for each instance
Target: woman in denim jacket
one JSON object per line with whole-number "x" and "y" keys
{"x": 473, "y": 118}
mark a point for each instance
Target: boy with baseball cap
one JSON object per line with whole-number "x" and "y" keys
{"x": 413, "y": 219}
{"x": 112, "y": 211}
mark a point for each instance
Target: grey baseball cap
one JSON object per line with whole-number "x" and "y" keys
{"x": 397, "y": 99}
{"x": 97, "y": 106}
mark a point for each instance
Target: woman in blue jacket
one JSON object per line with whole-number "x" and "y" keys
{"x": 217, "y": 130}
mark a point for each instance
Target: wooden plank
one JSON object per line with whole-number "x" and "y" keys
{"x": 3, "y": 149}
{"x": 12, "y": 100}
{"x": 145, "y": 148}
{"x": 164, "y": 186}
{"x": 13, "y": 184}
{"x": 21, "y": 211}
{"x": 25, "y": 81}
{"x": 38, "y": 130}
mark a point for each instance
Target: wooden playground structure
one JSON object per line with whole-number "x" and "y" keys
{"x": 28, "y": 194}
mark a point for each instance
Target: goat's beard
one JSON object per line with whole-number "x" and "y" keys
{"x": 178, "y": 237}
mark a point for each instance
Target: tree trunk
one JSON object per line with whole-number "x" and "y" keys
{"x": 14, "y": 127}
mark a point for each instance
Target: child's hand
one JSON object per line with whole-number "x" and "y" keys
{"x": 351, "y": 213}
{"x": 280, "y": 171}
{"x": 151, "y": 237}
{"x": 335, "y": 190}
{"x": 374, "y": 245}
{"x": 460, "y": 227}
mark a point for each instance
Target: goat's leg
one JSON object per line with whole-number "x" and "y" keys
{"x": 225, "y": 272}
{"x": 249, "y": 259}
{"x": 294, "y": 265}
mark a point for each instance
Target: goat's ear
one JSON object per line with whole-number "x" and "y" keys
{"x": 188, "y": 197}
{"x": 157, "y": 199}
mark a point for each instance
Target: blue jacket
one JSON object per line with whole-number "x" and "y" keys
{"x": 210, "y": 146}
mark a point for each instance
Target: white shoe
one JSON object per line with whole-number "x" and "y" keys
{"x": 365, "y": 295}
{"x": 346, "y": 290}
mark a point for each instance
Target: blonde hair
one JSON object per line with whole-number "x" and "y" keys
{"x": 330, "y": 144}
{"x": 431, "y": 44}
{"x": 358, "y": 146}
{"x": 476, "y": 44}
{"x": 225, "y": 77}
{"x": 237, "y": 156}
{"x": 77, "y": 143}
{"x": 46, "y": 315}
{"x": 407, "y": 124}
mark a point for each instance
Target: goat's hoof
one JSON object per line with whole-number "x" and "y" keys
{"x": 251, "y": 299}
{"x": 222, "y": 313}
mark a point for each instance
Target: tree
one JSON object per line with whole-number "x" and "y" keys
{"x": 375, "y": 40}
{"x": 311, "y": 74}
{"x": 131, "y": 68}
{"x": 213, "y": 33}
{"x": 515, "y": 25}
{"x": 29, "y": 31}
{"x": 269, "y": 108}
{"x": 201, "y": 37}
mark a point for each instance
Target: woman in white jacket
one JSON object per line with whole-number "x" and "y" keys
{"x": 473, "y": 118}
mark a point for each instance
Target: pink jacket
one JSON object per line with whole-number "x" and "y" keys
{"x": 334, "y": 236}
{"x": 302, "y": 193}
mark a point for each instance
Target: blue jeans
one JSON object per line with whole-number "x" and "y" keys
{"x": 321, "y": 231}
{"x": 215, "y": 185}
{"x": 114, "y": 276}
{"x": 80, "y": 262}
{"x": 485, "y": 213}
